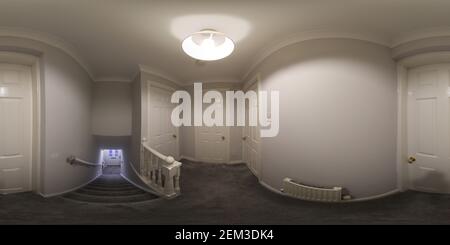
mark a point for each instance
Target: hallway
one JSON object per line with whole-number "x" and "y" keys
{"x": 226, "y": 194}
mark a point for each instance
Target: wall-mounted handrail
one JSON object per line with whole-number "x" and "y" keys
{"x": 160, "y": 172}
{"x": 73, "y": 160}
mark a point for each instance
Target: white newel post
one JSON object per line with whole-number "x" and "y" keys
{"x": 169, "y": 189}
{"x": 162, "y": 173}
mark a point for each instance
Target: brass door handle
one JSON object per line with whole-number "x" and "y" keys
{"x": 411, "y": 160}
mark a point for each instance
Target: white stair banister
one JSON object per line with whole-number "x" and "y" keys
{"x": 160, "y": 172}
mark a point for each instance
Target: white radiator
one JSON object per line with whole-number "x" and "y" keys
{"x": 311, "y": 193}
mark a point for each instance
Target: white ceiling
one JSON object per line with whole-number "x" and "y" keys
{"x": 115, "y": 36}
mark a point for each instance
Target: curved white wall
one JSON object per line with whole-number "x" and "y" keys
{"x": 337, "y": 116}
{"x": 66, "y": 115}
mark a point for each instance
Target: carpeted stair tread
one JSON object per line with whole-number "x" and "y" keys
{"x": 112, "y": 185}
{"x": 109, "y": 199}
{"x": 110, "y": 189}
{"x": 94, "y": 192}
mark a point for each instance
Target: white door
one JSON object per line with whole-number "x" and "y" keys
{"x": 15, "y": 128}
{"x": 428, "y": 128}
{"x": 212, "y": 143}
{"x": 163, "y": 136}
{"x": 251, "y": 140}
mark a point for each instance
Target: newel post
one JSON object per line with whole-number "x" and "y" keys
{"x": 169, "y": 189}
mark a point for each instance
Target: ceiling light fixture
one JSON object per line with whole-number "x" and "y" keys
{"x": 208, "y": 45}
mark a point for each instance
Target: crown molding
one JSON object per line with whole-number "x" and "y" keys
{"x": 113, "y": 79}
{"x": 311, "y": 35}
{"x": 48, "y": 39}
{"x": 160, "y": 74}
{"x": 418, "y": 35}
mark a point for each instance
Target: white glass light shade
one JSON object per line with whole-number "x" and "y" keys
{"x": 208, "y": 45}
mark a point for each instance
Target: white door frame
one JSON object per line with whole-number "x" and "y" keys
{"x": 149, "y": 85}
{"x": 403, "y": 65}
{"x": 37, "y": 124}
{"x": 256, "y": 79}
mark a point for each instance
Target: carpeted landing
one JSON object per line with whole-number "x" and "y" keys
{"x": 226, "y": 194}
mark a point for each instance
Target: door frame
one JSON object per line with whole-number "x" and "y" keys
{"x": 37, "y": 143}
{"x": 255, "y": 80}
{"x": 403, "y": 66}
{"x": 158, "y": 85}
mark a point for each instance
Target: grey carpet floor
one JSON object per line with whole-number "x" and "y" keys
{"x": 224, "y": 194}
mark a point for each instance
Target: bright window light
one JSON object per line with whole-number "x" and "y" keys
{"x": 208, "y": 45}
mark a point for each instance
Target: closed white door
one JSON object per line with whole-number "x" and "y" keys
{"x": 428, "y": 128}
{"x": 15, "y": 128}
{"x": 212, "y": 143}
{"x": 251, "y": 140}
{"x": 163, "y": 136}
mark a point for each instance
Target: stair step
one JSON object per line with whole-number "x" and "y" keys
{"x": 112, "y": 185}
{"x": 110, "y": 199}
{"x": 130, "y": 192}
{"x": 110, "y": 189}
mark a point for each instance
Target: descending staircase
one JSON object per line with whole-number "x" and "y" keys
{"x": 159, "y": 172}
{"x": 110, "y": 189}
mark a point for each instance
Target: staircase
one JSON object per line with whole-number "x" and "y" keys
{"x": 110, "y": 189}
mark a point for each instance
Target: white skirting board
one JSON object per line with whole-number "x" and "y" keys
{"x": 363, "y": 199}
{"x": 192, "y": 159}
{"x": 188, "y": 158}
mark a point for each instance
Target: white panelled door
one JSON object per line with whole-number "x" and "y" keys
{"x": 428, "y": 128}
{"x": 163, "y": 136}
{"x": 212, "y": 143}
{"x": 15, "y": 128}
{"x": 251, "y": 140}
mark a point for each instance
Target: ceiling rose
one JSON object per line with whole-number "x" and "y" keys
{"x": 208, "y": 45}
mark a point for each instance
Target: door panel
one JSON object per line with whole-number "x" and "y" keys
{"x": 428, "y": 128}
{"x": 15, "y": 128}
{"x": 163, "y": 136}
{"x": 212, "y": 144}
